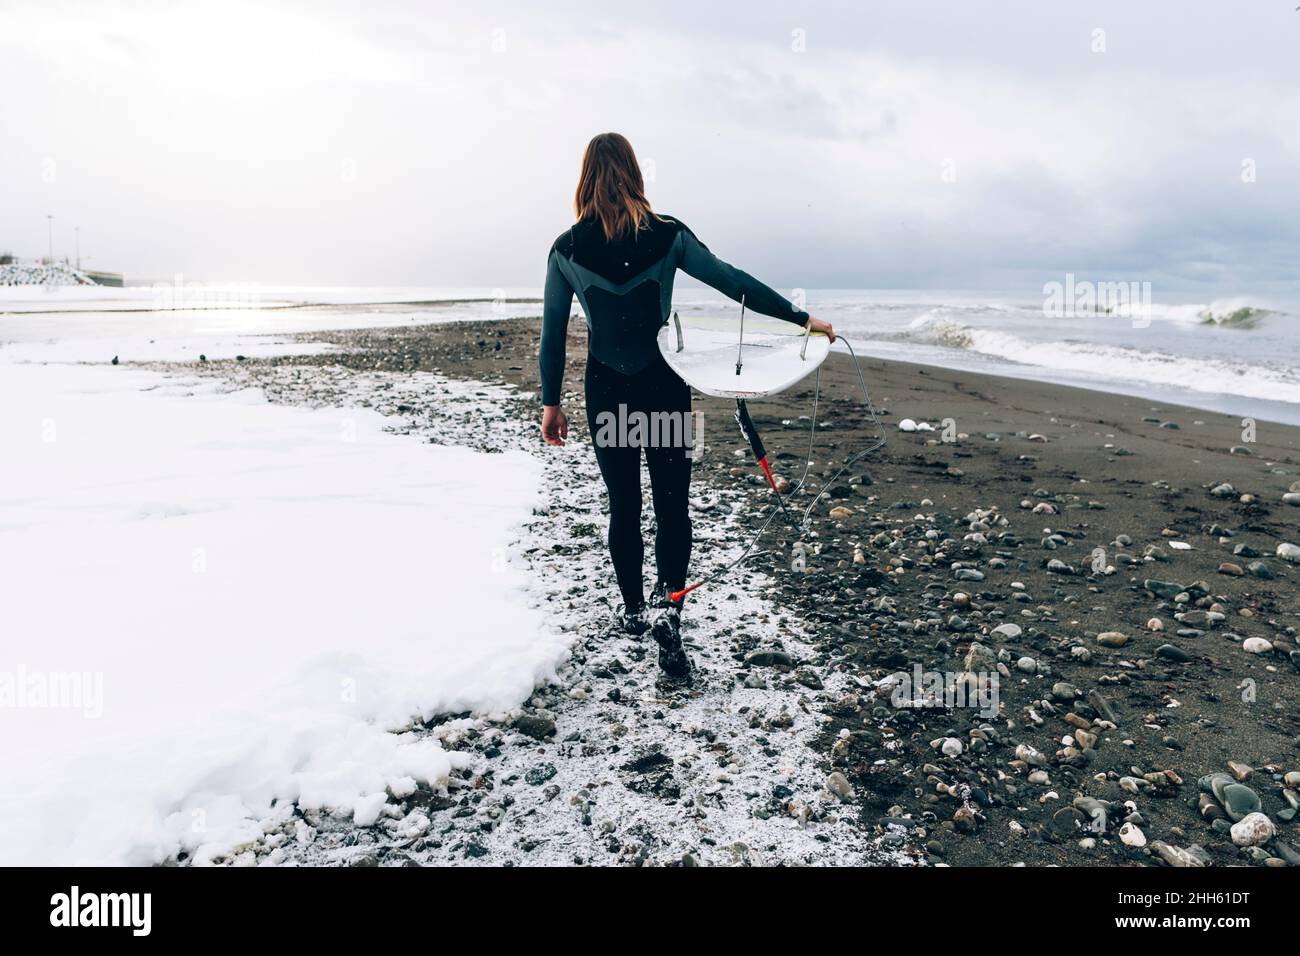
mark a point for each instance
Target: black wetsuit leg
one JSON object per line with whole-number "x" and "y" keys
{"x": 655, "y": 389}
{"x": 670, "y": 485}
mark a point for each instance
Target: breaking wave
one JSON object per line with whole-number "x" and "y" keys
{"x": 1115, "y": 362}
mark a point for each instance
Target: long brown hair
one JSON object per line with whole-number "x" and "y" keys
{"x": 610, "y": 187}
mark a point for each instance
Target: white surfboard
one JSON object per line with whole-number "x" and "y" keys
{"x": 773, "y": 355}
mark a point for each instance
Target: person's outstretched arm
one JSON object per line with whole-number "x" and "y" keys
{"x": 557, "y": 304}
{"x": 699, "y": 263}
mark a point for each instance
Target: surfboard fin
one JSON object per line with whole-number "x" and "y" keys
{"x": 756, "y": 447}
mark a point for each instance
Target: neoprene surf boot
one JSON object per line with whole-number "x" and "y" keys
{"x": 667, "y": 632}
{"x": 634, "y": 622}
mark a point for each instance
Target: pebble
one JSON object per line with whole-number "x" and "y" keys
{"x": 1112, "y": 639}
{"x": 769, "y": 658}
{"x": 1257, "y": 645}
{"x": 1254, "y": 829}
{"x": 839, "y": 785}
{"x": 1262, "y": 570}
{"x": 808, "y": 677}
{"x": 1102, "y": 706}
{"x": 1289, "y": 552}
{"x": 1171, "y": 652}
{"x": 1163, "y": 589}
{"x": 1009, "y": 631}
{"x": 1130, "y": 835}
{"x": 1068, "y": 821}
{"x": 1286, "y": 853}
{"x": 535, "y": 726}
{"x": 1176, "y": 856}
{"x": 1238, "y": 800}
{"x": 1095, "y": 810}
{"x": 1214, "y": 783}
{"x": 1063, "y": 691}
{"x": 980, "y": 658}
{"x": 1209, "y": 808}
{"x": 537, "y": 776}
{"x": 1030, "y": 756}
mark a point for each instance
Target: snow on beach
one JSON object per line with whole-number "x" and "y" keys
{"x": 236, "y": 601}
{"x": 244, "y": 610}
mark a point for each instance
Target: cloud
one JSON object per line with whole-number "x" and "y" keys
{"x": 910, "y": 144}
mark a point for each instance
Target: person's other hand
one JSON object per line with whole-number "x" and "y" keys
{"x": 825, "y": 328}
{"x": 555, "y": 426}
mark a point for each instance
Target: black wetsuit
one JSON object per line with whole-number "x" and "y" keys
{"x": 625, "y": 288}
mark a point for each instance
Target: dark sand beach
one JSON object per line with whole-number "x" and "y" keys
{"x": 1112, "y": 561}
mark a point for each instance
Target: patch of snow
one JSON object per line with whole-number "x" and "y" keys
{"x": 239, "y": 606}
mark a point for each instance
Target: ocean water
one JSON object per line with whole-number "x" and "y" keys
{"x": 1238, "y": 355}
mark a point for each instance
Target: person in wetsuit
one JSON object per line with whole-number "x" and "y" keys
{"x": 619, "y": 258}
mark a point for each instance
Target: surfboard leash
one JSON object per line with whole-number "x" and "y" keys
{"x": 740, "y": 339}
{"x": 880, "y": 441}
{"x": 760, "y": 456}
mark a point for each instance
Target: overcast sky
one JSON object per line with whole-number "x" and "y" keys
{"x": 862, "y": 144}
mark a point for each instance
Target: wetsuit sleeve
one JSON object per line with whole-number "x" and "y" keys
{"x": 699, "y": 263}
{"x": 557, "y": 304}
